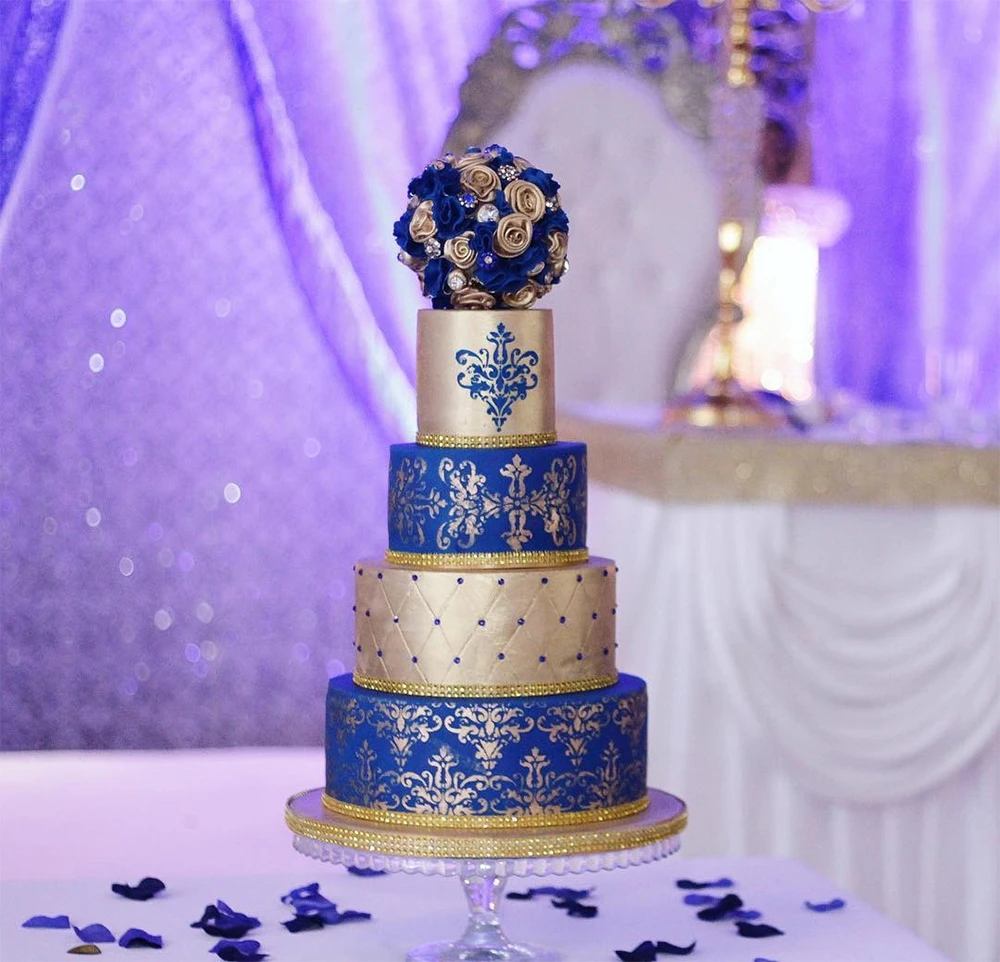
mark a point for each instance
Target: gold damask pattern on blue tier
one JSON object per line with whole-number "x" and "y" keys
{"x": 453, "y": 503}
{"x": 485, "y": 374}
{"x": 515, "y": 757}
{"x": 478, "y": 629}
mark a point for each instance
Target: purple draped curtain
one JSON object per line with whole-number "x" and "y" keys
{"x": 906, "y": 97}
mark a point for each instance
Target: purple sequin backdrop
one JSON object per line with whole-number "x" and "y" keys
{"x": 206, "y": 340}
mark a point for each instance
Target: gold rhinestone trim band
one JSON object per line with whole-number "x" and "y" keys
{"x": 485, "y": 822}
{"x": 489, "y": 559}
{"x": 486, "y": 440}
{"x": 579, "y": 842}
{"x": 485, "y": 691}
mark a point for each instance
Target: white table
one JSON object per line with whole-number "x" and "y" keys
{"x": 210, "y": 824}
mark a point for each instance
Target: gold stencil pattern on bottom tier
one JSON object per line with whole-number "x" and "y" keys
{"x": 485, "y": 822}
{"x": 485, "y": 629}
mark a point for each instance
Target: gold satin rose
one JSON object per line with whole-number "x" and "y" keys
{"x": 473, "y": 298}
{"x": 513, "y": 235}
{"x": 526, "y": 199}
{"x": 558, "y": 245}
{"x": 459, "y": 251}
{"x": 524, "y": 296}
{"x": 469, "y": 160}
{"x": 422, "y": 227}
{"x": 481, "y": 181}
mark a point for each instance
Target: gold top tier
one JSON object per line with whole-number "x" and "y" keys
{"x": 485, "y": 379}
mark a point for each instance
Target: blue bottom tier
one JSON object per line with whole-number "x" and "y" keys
{"x": 547, "y": 760}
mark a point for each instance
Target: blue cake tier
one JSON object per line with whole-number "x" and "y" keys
{"x": 488, "y": 506}
{"x": 486, "y": 762}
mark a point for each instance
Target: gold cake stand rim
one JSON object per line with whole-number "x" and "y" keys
{"x": 664, "y": 818}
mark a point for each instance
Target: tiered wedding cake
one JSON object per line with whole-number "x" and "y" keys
{"x": 485, "y": 694}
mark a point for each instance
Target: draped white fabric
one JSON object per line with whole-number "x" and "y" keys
{"x": 825, "y": 683}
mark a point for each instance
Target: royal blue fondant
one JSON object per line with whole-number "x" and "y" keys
{"x": 490, "y": 500}
{"x": 486, "y": 756}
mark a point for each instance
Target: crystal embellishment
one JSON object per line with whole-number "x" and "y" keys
{"x": 487, "y": 213}
{"x": 432, "y": 248}
{"x": 456, "y": 281}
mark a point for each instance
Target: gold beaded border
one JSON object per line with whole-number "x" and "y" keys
{"x": 605, "y": 838}
{"x": 489, "y": 559}
{"x": 485, "y": 691}
{"x": 484, "y": 822}
{"x": 486, "y": 440}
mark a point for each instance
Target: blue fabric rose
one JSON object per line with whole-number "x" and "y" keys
{"x": 502, "y": 156}
{"x": 433, "y": 183}
{"x": 482, "y": 237}
{"x": 498, "y": 274}
{"x": 554, "y": 220}
{"x": 401, "y": 231}
{"x": 434, "y": 276}
{"x": 500, "y": 199}
{"x": 449, "y": 216}
{"x": 542, "y": 180}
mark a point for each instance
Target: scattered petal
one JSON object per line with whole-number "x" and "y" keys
{"x": 222, "y": 922}
{"x": 556, "y": 893}
{"x": 643, "y": 952}
{"x": 750, "y": 931}
{"x": 575, "y": 909}
{"x": 46, "y": 922}
{"x": 304, "y": 893}
{"x": 725, "y": 905}
{"x": 231, "y": 951}
{"x": 695, "y": 899}
{"x": 830, "y": 906}
{"x": 146, "y": 889}
{"x": 365, "y": 872}
{"x": 720, "y": 883}
{"x": 137, "y": 938}
{"x": 762, "y": 959}
{"x": 668, "y": 948}
{"x": 302, "y": 923}
{"x": 745, "y": 915}
{"x": 85, "y": 949}
{"x": 94, "y": 933}
{"x": 331, "y": 916}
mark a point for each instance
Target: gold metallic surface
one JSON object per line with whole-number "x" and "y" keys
{"x": 675, "y": 465}
{"x": 490, "y": 441}
{"x": 489, "y": 559}
{"x": 485, "y": 822}
{"x": 424, "y": 631}
{"x": 665, "y": 817}
{"x": 447, "y": 409}
{"x": 486, "y": 691}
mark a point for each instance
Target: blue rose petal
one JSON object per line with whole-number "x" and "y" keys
{"x": 830, "y": 906}
{"x": 145, "y": 890}
{"x": 668, "y": 948}
{"x": 720, "y": 883}
{"x": 303, "y": 923}
{"x": 365, "y": 872}
{"x": 232, "y": 951}
{"x": 744, "y": 915}
{"x": 556, "y": 893}
{"x": 94, "y": 933}
{"x": 138, "y": 938}
{"x": 695, "y": 899}
{"x": 222, "y": 922}
{"x": 751, "y": 931}
{"x": 643, "y": 952}
{"x": 722, "y": 908}
{"x": 46, "y": 922}
{"x": 575, "y": 909}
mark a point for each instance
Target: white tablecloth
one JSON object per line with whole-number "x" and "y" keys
{"x": 825, "y": 684}
{"x": 210, "y": 824}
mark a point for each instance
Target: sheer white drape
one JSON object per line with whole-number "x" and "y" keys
{"x": 824, "y": 684}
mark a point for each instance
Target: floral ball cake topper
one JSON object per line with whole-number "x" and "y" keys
{"x": 484, "y": 230}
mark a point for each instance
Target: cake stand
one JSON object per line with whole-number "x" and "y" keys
{"x": 483, "y": 863}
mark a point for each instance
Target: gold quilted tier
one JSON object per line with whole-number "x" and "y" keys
{"x": 485, "y": 378}
{"x": 467, "y": 633}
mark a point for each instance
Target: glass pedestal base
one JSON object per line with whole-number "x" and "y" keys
{"x": 483, "y": 862}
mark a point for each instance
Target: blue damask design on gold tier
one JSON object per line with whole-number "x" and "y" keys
{"x": 551, "y": 755}
{"x": 461, "y": 501}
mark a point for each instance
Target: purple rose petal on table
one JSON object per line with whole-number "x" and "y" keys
{"x": 137, "y": 938}
{"x": 760, "y": 958}
{"x": 557, "y": 893}
{"x": 695, "y": 899}
{"x": 365, "y": 872}
{"x": 744, "y": 915}
{"x": 668, "y": 948}
{"x": 643, "y": 952}
{"x": 751, "y": 931}
{"x": 46, "y": 922}
{"x": 303, "y": 923}
{"x": 94, "y": 933}
{"x": 222, "y": 922}
{"x": 725, "y": 905}
{"x": 145, "y": 890}
{"x": 830, "y": 906}
{"x": 575, "y": 909}
{"x": 720, "y": 883}
{"x": 232, "y": 951}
